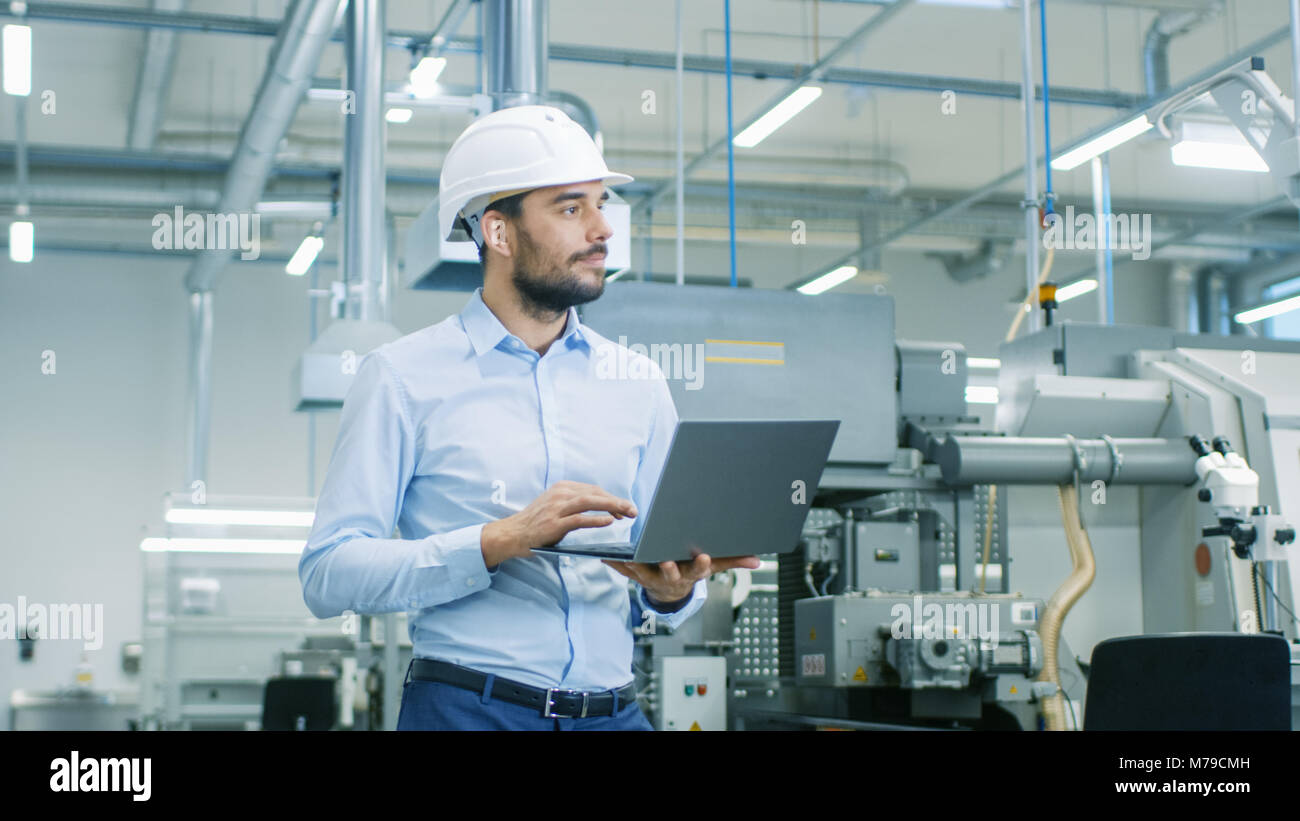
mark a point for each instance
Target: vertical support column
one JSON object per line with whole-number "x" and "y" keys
{"x": 1107, "y": 243}
{"x": 365, "y": 251}
{"x": 681, "y": 161}
{"x": 1099, "y": 255}
{"x": 515, "y": 52}
{"x": 1030, "y": 202}
{"x": 200, "y": 384}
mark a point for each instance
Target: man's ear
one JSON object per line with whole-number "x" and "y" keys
{"x": 495, "y": 235}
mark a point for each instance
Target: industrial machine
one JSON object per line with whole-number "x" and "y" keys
{"x": 954, "y": 571}
{"x": 1167, "y": 464}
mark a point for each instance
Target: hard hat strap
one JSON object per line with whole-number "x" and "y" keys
{"x": 469, "y": 229}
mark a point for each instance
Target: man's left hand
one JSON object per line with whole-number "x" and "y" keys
{"x": 669, "y": 582}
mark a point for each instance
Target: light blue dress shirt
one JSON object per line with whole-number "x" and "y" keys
{"x": 460, "y": 424}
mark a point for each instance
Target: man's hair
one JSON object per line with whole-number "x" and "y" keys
{"x": 510, "y": 207}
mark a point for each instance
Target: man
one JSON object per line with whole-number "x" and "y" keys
{"x": 488, "y": 434}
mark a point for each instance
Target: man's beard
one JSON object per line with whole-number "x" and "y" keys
{"x": 548, "y": 291}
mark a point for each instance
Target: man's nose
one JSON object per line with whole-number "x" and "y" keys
{"x": 600, "y": 230}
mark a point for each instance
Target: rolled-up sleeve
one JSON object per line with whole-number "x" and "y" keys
{"x": 349, "y": 562}
{"x": 654, "y": 457}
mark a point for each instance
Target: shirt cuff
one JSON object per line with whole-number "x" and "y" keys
{"x": 668, "y": 608}
{"x": 460, "y": 553}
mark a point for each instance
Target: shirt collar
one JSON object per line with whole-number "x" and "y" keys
{"x": 485, "y": 331}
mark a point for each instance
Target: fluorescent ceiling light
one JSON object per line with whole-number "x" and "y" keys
{"x": 303, "y": 258}
{"x": 1100, "y": 145}
{"x": 18, "y": 60}
{"x": 982, "y": 394}
{"x": 21, "y": 235}
{"x": 424, "y": 77}
{"x": 828, "y": 280}
{"x": 1272, "y": 309}
{"x": 219, "y": 516}
{"x": 780, "y": 114}
{"x": 159, "y": 545}
{"x": 983, "y": 362}
{"x": 398, "y": 115}
{"x": 1215, "y": 145}
{"x": 1083, "y": 286}
{"x": 295, "y": 208}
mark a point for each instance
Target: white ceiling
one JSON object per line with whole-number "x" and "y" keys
{"x": 1093, "y": 45}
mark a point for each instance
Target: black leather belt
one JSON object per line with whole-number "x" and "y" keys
{"x": 550, "y": 702}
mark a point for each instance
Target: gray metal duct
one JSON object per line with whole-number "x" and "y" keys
{"x": 111, "y": 195}
{"x": 153, "y": 82}
{"x": 306, "y": 29}
{"x": 365, "y": 247}
{"x": 1155, "y": 48}
{"x": 515, "y": 45}
{"x": 320, "y": 378}
{"x": 1021, "y": 460}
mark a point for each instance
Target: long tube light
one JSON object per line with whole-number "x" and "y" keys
{"x": 303, "y": 258}
{"x": 398, "y": 115}
{"x": 1272, "y": 309}
{"x": 983, "y": 362}
{"x": 828, "y": 280}
{"x": 21, "y": 240}
{"x": 780, "y": 114}
{"x": 18, "y": 60}
{"x": 1099, "y": 145}
{"x": 1083, "y": 286}
{"x": 424, "y": 77}
{"x": 161, "y": 545}
{"x": 982, "y": 394}
{"x": 220, "y": 516}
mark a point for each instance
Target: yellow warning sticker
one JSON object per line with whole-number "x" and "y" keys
{"x": 812, "y": 634}
{"x": 695, "y": 725}
{"x": 1013, "y": 689}
{"x": 860, "y": 675}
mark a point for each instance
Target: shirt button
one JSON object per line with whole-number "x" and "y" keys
{"x": 469, "y": 582}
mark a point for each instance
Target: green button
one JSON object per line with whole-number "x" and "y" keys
{"x": 690, "y": 689}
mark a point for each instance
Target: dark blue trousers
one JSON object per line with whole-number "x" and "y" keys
{"x": 432, "y": 705}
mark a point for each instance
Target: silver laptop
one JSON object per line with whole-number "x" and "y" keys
{"x": 728, "y": 488}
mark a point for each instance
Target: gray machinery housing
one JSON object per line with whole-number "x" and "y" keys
{"x": 899, "y": 522}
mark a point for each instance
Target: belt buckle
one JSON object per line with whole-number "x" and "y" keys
{"x": 550, "y": 702}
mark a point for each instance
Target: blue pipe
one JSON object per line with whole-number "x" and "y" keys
{"x": 731, "y": 148}
{"x": 1047, "y": 109}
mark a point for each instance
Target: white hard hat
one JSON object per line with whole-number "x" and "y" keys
{"x": 508, "y": 152}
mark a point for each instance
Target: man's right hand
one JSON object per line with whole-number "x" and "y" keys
{"x": 549, "y": 518}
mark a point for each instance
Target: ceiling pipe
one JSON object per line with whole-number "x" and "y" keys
{"x": 302, "y": 36}
{"x": 364, "y": 192}
{"x": 812, "y": 75}
{"x": 996, "y": 185}
{"x": 305, "y": 31}
{"x": 1155, "y": 47}
{"x": 627, "y": 58}
{"x": 153, "y": 82}
{"x": 515, "y": 52}
{"x": 320, "y": 378}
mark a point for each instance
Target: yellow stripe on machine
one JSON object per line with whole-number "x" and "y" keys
{"x": 743, "y": 350}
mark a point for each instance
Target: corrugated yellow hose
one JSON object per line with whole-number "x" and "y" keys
{"x": 1079, "y": 580}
